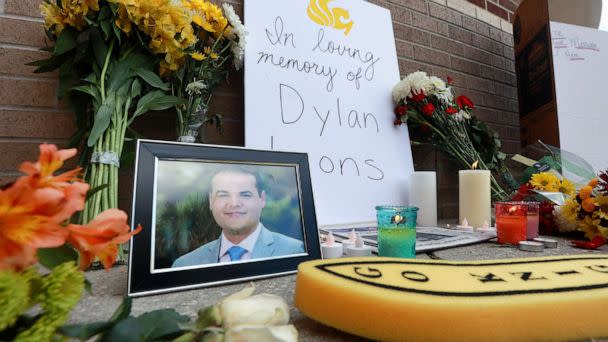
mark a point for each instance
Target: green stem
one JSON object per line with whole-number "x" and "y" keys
{"x": 105, "y": 69}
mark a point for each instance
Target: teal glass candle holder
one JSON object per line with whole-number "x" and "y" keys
{"x": 396, "y": 231}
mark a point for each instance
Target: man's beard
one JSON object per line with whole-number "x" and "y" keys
{"x": 238, "y": 231}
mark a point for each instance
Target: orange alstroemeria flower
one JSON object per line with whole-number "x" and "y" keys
{"x": 51, "y": 159}
{"x": 23, "y": 230}
{"x": 101, "y": 237}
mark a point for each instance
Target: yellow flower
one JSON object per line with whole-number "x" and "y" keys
{"x": 590, "y": 227}
{"x": 198, "y": 56}
{"x": 123, "y": 22}
{"x": 567, "y": 187}
{"x": 544, "y": 181}
{"x": 570, "y": 210}
{"x": 70, "y": 13}
{"x": 210, "y": 53}
{"x": 602, "y": 203}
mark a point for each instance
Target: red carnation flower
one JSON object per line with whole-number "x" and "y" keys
{"x": 464, "y": 102}
{"x": 428, "y": 109}
{"x": 451, "y": 110}
{"x": 450, "y": 80}
{"x": 397, "y": 122}
{"x": 418, "y": 97}
{"x": 400, "y": 110}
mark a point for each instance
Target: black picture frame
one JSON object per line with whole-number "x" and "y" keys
{"x": 146, "y": 278}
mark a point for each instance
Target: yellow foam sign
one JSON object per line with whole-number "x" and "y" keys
{"x": 534, "y": 299}
{"x": 338, "y": 18}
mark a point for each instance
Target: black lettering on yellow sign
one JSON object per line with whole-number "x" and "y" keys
{"x": 569, "y": 272}
{"x": 490, "y": 277}
{"x": 599, "y": 268}
{"x": 373, "y": 272}
{"x": 527, "y": 276}
{"x": 415, "y": 276}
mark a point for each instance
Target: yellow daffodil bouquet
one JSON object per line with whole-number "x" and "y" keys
{"x": 219, "y": 49}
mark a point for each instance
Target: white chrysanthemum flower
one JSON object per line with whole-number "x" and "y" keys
{"x": 196, "y": 87}
{"x": 446, "y": 96}
{"x": 237, "y": 34}
{"x": 401, "y": 90}
{"x": 438, "y": 85}
{"x": 419, "y": 82}
{"x": 461, "y": 115}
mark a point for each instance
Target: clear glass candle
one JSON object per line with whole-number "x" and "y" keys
{"x": 397, "y": 231}
{"x": 511, "y": 222}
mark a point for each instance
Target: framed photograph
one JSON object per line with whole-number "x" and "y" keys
{"x": 216, "y": 214}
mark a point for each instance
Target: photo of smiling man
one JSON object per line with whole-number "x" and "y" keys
{"x": 236, "y": 199}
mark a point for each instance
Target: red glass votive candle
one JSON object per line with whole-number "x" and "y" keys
{"x": 533, "y": 220}
{"x": 511, "y": 222}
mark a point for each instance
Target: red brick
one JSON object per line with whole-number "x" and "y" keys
{"x": 404, "y": 49}
{"x": 508, "y": 5}
{"x": 499, "y": 11}
{"x": 477, "y": 55}
{"x": 418, "y": 5}
{"x": 13, "y": 154}
{"x": 21, "y": 32}
{"x": 506, "y": 38}
{"x": 465, "y": 66}
{"x": 505, "y": 90}
{"x": 28, "y": 93}
{"x": 12, "y": 62}
{"x": 40, "y": 125}
{"x": 407, "y": 66}
{"x": 447, "y": 45}
{"x": 460, "y": 35}
{"x": 496, "y": 34}
{"x": 458, "y": 79}
{"x": 400, "y": 14}
{"x": 498, "y": 61}
{"x": 444, "y": 13}
{"x": 476, "y": 26}
{"x": 28, "y": 8}
{"x": 431, "y": 56}
{"x": 411, "y": 34}
{"x": 497, "y": 102}
{"x": 487, "y": 44}
{"x": 480, "y": 84}
{"x": 427, "y": 23}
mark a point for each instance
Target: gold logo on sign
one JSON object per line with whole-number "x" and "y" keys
{"x": 337, "y": 18}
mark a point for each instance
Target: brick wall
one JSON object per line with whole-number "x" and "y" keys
{"x": 468, "y": 40}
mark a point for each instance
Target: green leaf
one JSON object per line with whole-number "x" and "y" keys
{"x": 123, "y": 310}
{"x": 151, "y": 78}
{"x": 89, "y": 89}
{"x": 135, "y": 89}
{"x": 156, "y": 100}
{"x": 84, "y": 331}
{"x": 100, "y": 50}
{"x": 126, "y": 330}
{"x": 117, "y": 32}
{"x": 106, "y": 27}
{"x": 95, "y": 190}
{"x": 67, "y": 77}
{"x": 102, "y": 120}
{"x": 65, "y": 42}
{"x": 52, "y": 257}
{"x": 124, "y": 89}
{"x": 118, "y": 75}
{"x": 160, "y": 324}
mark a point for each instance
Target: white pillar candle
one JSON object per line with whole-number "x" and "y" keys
{"x": 474, "y": 197}
{"x": 423, "y": 194}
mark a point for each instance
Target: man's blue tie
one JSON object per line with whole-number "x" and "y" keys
{"x": 236, "y": 252}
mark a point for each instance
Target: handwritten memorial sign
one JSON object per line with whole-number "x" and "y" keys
{"x": 318, "y": 79}
{"x": 579, "y": 64}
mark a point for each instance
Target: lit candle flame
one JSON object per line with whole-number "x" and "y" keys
{"x": 474, "y": 165}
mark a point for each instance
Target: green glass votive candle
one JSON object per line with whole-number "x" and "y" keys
{"x": 396, "y": 231}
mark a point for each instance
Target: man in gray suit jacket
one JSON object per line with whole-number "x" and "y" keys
{"x": 236, "y": 201}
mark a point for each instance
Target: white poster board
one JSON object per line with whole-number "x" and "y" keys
{"x": 580, "y": 62}
{"x": 318, "y": 79}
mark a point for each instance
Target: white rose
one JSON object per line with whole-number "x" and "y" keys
{"x": 244, "y": 333}
{"x": 261, "y": 309}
